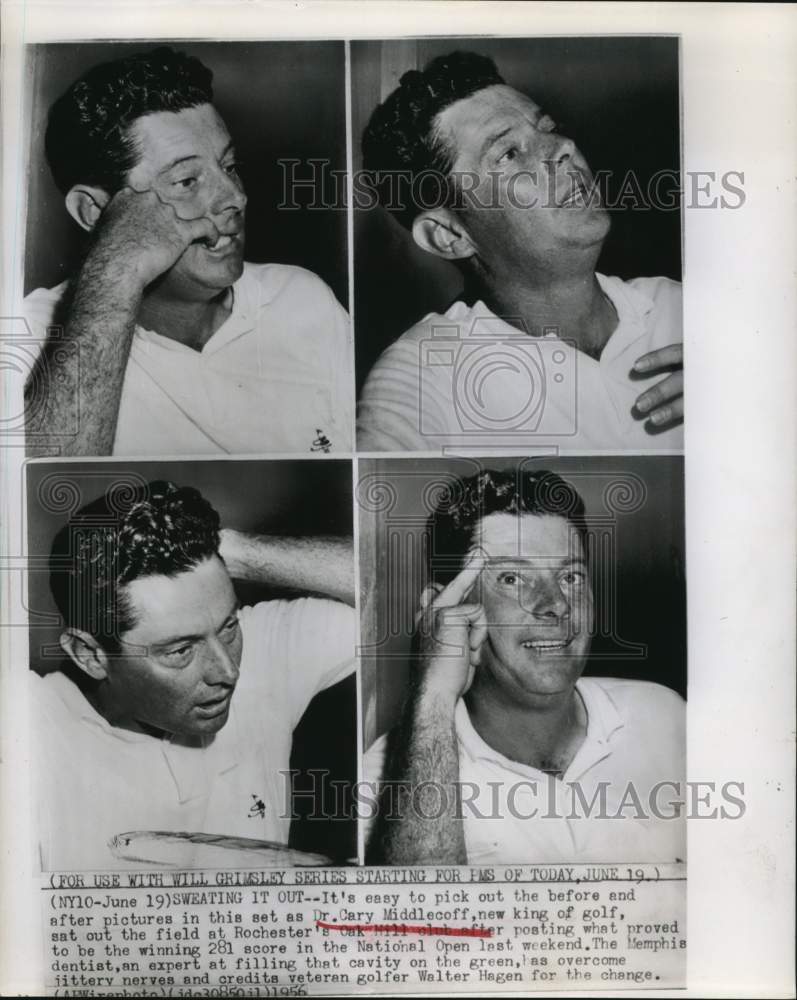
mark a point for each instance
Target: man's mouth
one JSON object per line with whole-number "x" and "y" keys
{"x": 215, "y": 706}
{"x": 223, "y": 243}
{"x": 577, "y": 196}
{"x": 546, "y": 645}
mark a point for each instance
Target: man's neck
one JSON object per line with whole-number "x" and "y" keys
{"x": 188, "y": 321}
{"x": 568, "y": 300}
{"x": 544, "y": 732}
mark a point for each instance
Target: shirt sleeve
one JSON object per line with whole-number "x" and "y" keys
{"x": 39, "y": 309}
{"x": 400, "y": 408}
{"x": 300, "y": 647}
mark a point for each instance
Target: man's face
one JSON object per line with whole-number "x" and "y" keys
{"x": 180, "y": 662}
{"x": 537, "y": 597}
{"x": 530, "y": 184}
{"x": 187, "y": 158}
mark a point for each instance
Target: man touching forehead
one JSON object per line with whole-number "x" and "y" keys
{"x": 498, "y": 704}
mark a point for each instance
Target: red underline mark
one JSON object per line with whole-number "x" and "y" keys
{"x": 407, "y": 929}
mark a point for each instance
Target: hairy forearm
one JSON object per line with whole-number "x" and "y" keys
{"x": 319, "y": 565}
{"x": 419, "y": 820}
{"x": 73, "y": 397}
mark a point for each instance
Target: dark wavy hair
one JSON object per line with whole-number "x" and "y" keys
{"x": 402, "y": 136}
{"x": 88, "y": 137}
{"x": 464, "y": 503}
{"x": 160, "y": 529}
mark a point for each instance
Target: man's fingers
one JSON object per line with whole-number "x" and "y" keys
{"x": 459, "y": 588}
{"x": 663, "y": 357}
{"x": 478, "y": 632}
{"x": 668, "y": 390}
{"x": 200, "y": 229}
{"x": 440, "y": 624}
{"x": 666, "y": 414}
{"x": 456, "y": 616}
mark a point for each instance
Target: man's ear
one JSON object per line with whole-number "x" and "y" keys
{"x": 85, "y": 204}
{"x": 84, "y": 651}
{"x": 440, "y": 232}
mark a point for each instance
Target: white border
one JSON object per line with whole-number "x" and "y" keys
{"x": 739, "y": 72}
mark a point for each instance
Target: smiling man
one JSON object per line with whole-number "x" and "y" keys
{"x": 170, "y": 343}
{"x": 176, "y": 708}
{"x": 541, "y": 349}
{"x": 504, "y": 752}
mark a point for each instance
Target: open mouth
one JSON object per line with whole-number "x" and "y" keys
{"x": 546, "y": 645}
{"x": 222, "y": 244}
{"x": 216, "y": 706}
{"x": 577, "y": 197}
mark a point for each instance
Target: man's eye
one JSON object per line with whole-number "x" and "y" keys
{"x": 186, "y": 183}
{"x": 573, "y": 578}
{"x": 232, "y": 168}
{"x": 230, "y": 630}
{"x": 509, "y": 579}
{"x": 180, "y": 654}
{"x": 508, "y": 155}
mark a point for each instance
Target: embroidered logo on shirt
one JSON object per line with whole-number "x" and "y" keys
{"x": 258, "y": 809}
{"x": 322, "y": 442}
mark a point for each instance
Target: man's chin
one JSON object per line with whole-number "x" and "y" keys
{"x": 202, "y": 269}
{"x": 208, "y": 725}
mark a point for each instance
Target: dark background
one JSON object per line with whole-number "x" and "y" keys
{"x": 279, "y": 100}
{"x": 269, "y": 497}
{"x": 617, "y": 98}
{"x": 639, "y": 588}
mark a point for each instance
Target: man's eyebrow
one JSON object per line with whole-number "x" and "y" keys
{"x": 230, "y": 147}
{"x": 499, "y": 134}
{"x": 535, "y": 560}
{"x": 176, "y": 163}
{"x": 192, "y": 638}
{"x": 493, "y": 138}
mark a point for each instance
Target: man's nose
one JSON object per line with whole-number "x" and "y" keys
{"x": 561, "y": 150}
{"x": 228, "y": 194}
{"x": 221, "y": 667}
{"x": 544, "y": 598}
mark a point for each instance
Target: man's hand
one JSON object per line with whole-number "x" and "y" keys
{"x": 452, "y": 632}
{"x": 144, "y": 234}
{"x": 664, "y": 402}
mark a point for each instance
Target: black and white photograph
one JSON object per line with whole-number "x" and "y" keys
{"x": 524, "y": 659}
{"x": 192, "y": 650}
{"x": 199, "y": 306}
{"x": 518, "y": 244}
{"x": 380, "y": 612}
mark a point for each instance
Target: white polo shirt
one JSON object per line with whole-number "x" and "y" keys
{"x": 467, "y": 379}
{"x": 95, "y": 780}
{"x": 274, "y": 378}
{"x": 636, "y": 739}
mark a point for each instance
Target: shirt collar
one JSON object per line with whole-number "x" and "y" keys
{"x": 240, "y": 321}
{"x": 603, "y": 721}
{"x": 194, "y": 764}
{"x": 631, "y": 305}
